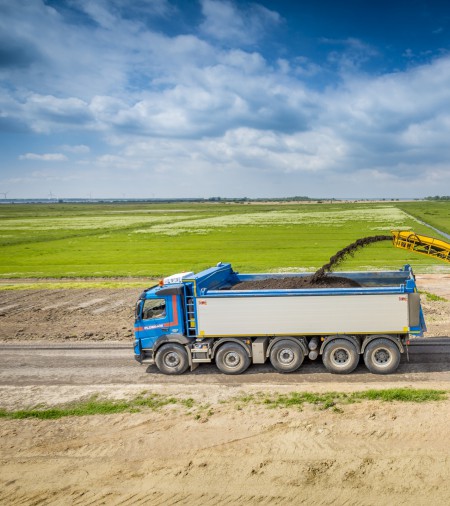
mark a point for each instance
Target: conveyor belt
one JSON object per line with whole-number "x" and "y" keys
{"x": 429, "y": 246}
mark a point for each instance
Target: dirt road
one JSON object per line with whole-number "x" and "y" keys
{"x": 221, "y": 451}
{"x": 78, "y": 366}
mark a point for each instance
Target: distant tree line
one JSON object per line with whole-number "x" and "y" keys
{"x": 265, "y": 199}
{"x": 437, "y": 197}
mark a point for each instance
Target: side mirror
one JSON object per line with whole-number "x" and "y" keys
{"x": 137, "y": 311}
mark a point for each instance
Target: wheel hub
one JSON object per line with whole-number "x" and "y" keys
{"x": 232, "y": 359}
{"x": 340, "y": 356}
{"x": 286, "y": 356}
{"x": 382, "y": 356}
{"x": 172, "y": 359}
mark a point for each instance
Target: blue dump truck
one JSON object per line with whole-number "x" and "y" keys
{"x": 189, "y": 319}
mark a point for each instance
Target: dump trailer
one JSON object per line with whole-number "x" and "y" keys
{"x": 189, "y": 319}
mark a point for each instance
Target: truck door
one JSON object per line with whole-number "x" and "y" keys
{"x": 158, "y": 317}
{"x": 155, "y": 316}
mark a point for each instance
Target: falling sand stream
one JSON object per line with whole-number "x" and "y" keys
{"x": 319, "y": 278}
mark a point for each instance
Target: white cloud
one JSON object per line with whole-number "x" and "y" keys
{"x": 78, "y": 149}
{"x": 47, "y": 113}
{"x": 47, "y": 157}
{"x": 228, "y": 22}
{"x": 352, "y": 55}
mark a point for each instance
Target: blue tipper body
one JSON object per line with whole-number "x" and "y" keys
{"x": 168, "y": 313}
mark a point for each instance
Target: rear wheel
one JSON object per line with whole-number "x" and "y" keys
{"x": 381, "y": 356}
{"x": 340, "y": 356}
{"x": 172, "y": 359}
{"x": 286, "y": 356}
{"x": 232, "y": 358}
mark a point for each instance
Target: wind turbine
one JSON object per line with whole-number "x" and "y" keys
{"x": 4, "y": 194}
{"x": 51, "y": 195}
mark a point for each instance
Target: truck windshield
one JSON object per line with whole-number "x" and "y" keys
{"x": 154, "y": 308}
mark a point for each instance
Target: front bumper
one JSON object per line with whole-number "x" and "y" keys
{"x": 144, "y": 358}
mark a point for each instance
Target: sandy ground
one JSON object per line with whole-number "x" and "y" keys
{"x": 220, "y": 451}
{"x": 366, "y": 454}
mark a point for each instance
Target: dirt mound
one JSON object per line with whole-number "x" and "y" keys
{"x": 68, "y": 314}
{"x": 296, "y": 282}
{"x": 341, "y": 255}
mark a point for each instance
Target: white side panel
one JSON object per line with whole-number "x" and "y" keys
{"x": 325, "y": 314}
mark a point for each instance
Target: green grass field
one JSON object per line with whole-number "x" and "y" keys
{"x": 102, "y": 240}
{"x": 436, "y": 213}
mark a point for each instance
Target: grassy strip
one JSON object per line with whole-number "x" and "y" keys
{"x": 331, "y": 399}
{"x": 95, "y": 406}
{"x": 68, "y": 285}
{"x": 433, "y": 297}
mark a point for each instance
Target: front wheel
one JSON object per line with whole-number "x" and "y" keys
{"x": 286, "y": 356}
{"x": 340, "y": 356}
{"x": 232, "y": 359}
{"x": 172, "y": 359}
{"x": 381, "y": 356}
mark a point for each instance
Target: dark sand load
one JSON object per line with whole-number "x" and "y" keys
{"x": 296, "y": 282}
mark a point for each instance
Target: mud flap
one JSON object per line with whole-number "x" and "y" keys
{"x": 192, "y": 365}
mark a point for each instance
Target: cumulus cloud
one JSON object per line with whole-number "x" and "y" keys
{"x": 352, "y": 55}
{"x": 47, "y": 157}
{"x": 79, "y": 149}
{"x": 227, "y": 22}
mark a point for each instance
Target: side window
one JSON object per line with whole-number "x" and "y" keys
{"x": 154, "y": 308}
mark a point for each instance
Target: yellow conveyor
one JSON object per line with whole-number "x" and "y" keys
{"x": 436, "y": 248}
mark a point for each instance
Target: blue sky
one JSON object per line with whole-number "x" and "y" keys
{"x": 173, "y": 98}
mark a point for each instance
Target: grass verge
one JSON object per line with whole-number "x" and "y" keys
{"x": 68, "y": 285}
{"x": 433, "y": 297}
{"x": 332, "y": 399}
{"x": 96, "y": 406}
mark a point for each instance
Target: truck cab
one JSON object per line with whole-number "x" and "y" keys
{"x": 159, "y": 319}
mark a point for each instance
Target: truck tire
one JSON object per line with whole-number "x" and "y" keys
{"x": 231, "y": 358}
{"x": 286, "y": 356}
{"x": 172, "y": 359}
{"x": 382, "y": 356}
{"x": 340, "y": 356}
